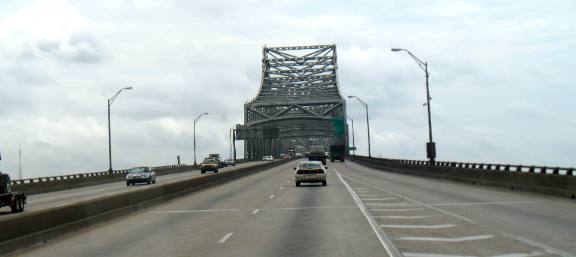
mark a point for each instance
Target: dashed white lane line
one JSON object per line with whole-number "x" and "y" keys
{"x": 288, "y": 181}
{"x": 281, "y": 188}
{"x": 271, "y": 196}
{"x": 382, "y": 237}
{"x": 255, "y": 211}
{"x": 446, "y": 239}
{"x": 223, "y": 239}
{"x": 404, "y": 217}
{"x": 417, "y": 226}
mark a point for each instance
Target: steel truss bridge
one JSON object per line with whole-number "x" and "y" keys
{"x": 298, "y": 107}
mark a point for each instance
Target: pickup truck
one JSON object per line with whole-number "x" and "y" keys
{"x": 15, "y": 200}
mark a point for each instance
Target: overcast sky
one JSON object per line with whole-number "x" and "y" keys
{"x": 502, "y": 77}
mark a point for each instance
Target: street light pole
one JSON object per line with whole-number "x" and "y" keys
{"x": 367, "y": 121}
{"x": 110, "y": 101}
{"x": 353, "y": 143}
{"x": 431, "y": 145}
{"x": 196, "y": 120}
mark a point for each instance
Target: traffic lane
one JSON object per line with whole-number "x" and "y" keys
{"x": 311, "y": 220}
{"x": 263, "y": 214}
{"x": 538, "y": 220}
{"x": 180, "y": 227}
{"x": 59, "y": 198}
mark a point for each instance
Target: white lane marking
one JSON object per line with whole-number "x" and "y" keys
{"x": 271, "y": 196}
{"x": 288, "y": 181}
{"x": 384, "y": 239}
{"x": 398, "y": 210}
{"x": 379, "y": 199}
{"x": 368, "y": 195}
{"x": 417, "y": 226}
{"x": 541, "y": 245}
{"x": 404, "y": 217}
{"x": 193, "y": 211}
{"x": 311, "y": 207}
{"x": 446, "y": 239}
{"x": 485, "y": 203}
{"x": 223, "y": 239}
{"x": 389, "y": 204}
{"x": 281, "y": 188}
{"x": 535, "y": 253}
{"x": 255, "y": 211}
{"x": 418, "y": 203}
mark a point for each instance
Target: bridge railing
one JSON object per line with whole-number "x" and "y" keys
{"x": 100, "y": 174}
{"x": 567, "y": 171}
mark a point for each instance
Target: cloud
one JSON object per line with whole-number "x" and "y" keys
{"x": 500, "y": 77}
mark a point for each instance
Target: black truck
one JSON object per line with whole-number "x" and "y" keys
{"x": 15, "y": 200}
{"x": 337, "y": 152}
{"x": 317, "y": 156}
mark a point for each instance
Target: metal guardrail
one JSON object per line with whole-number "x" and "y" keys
{"x": 483, "y": 166}
{"x": 95, "y": 174}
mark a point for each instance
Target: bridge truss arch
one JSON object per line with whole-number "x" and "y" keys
{"x": 298, "y": 107}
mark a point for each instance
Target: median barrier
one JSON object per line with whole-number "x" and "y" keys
{"x": 492, "y": 175}
{"x": 64, "y": 182}
{"x": 37, "y": 227}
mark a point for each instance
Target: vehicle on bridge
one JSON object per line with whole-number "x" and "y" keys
{"x": 268, "y": 158}
{"x": 229, "y": 162}
{"x": 140, "y": 175}
{"x": 210, "y": 164}
{"x": 317, "y": 156}
{"x": 310, "y": 172}
{"x": 216, "y": 156}
{"x": 337, "y": 152}
{"x": 15, "y": 200}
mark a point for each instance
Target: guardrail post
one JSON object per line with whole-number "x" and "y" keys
{"x": 556, "y": 171}
{"x": 569, "y": 171}
{"x": 543, "y": 170}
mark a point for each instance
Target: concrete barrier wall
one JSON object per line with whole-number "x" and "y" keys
{"x": 551, "y": 184}
{"x": 31, "y": 228}
{"x": 64, "y": 182}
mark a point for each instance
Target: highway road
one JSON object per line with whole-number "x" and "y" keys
{"x": 362, "y": 212}
{"x": 65, "y": 197}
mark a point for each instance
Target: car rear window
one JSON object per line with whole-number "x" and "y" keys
{"x": 310, "y": 165}
{"x": 138, "y": 170}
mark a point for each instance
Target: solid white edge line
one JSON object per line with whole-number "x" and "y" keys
{"x": 223, "y": 239}
{"x": 255, "y": 211}
{"x": 382, "y": 237}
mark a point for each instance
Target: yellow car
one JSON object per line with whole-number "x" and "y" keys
{"x": 209, "y": 164}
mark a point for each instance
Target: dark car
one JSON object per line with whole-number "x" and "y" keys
{"x": 229, "y": 162}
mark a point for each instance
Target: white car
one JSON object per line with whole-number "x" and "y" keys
{"x": 140, "y": 175}
{"x": 268, "y": 158}
{"x": 310, "y": 171}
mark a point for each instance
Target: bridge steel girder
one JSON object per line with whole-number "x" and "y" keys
{"x": 299, "y": 98}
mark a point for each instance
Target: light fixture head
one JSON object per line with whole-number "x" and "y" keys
{"x": 128, "y": 88}
{"x": 396, "y": 49}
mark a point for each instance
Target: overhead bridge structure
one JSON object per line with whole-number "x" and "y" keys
{"x": 298, "y": 107}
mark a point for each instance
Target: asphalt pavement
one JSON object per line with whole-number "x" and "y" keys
{"x": 361, "y": 212}
{"x": 37, "y": 202}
